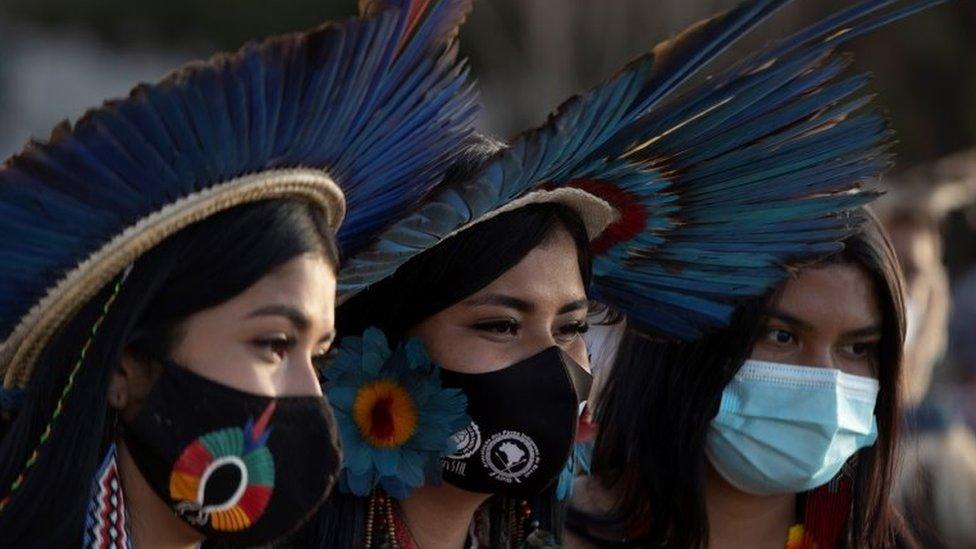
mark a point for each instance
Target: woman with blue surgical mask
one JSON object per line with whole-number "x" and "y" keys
{"x": 803, "y": 403}
{"x": 778, "y": 431}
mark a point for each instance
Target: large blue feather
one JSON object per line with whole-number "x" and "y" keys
{"x": 740, "y": 178}
{"x": 381, "y": 105}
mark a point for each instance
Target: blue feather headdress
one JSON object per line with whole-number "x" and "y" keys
{"x": 719, "y": 191}
{"x": 373, "y": 108}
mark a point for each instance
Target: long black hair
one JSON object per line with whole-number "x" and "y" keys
{"x": 427, "y": 284}
{"x": 660, "y": 398}
{"x": 197, "y": 268}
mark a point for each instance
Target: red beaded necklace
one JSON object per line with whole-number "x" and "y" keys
{"x": 386, "y": 528}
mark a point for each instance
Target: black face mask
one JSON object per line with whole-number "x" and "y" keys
{"x": 237, "y": 467}
{"x": 523, "y": 424}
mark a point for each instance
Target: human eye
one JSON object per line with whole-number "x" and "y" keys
{"x": 276, "y": 345}
{"x": 860, "y": 349}
{"x": 504, "y": 327}
{"x": 572, "y": 330}
{"x": 322, "y": 358}
{"x": 780, "y": 336}
{"x": 322, "y": 351}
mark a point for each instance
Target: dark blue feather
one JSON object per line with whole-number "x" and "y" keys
{"x": 739, "y": 179}
{"x": 380, "y": 102}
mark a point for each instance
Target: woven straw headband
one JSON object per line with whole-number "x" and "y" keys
{"x": 595, "y": 213}
{"x": 20, "y": 352}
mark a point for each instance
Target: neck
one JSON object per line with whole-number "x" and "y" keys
{"x": 151, "y": 522}
{"x": 439, "y": 516}
{"x": 738, "y": 519}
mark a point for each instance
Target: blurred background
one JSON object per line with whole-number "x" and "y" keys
{"x": 59, "y": 57}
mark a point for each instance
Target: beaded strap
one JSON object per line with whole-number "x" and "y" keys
{"x": 384, "y": 525}
{"x": 15, "y": 485}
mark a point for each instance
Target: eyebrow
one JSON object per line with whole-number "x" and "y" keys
{"x": 574, "y": 306}
{"x": 786, "y": 317}
{"x": 867, "y": 331}
{"x": 292, "y": 314}
{"x": 296, "y": 317}
{"x": 522, "y": 305}
{"x": 501, "y": 300}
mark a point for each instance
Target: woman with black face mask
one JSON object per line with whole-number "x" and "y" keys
{"x": 501, "y": 315}
{"x": 512, "y": 348}
{"x": 168, "y": 281}
{"x": 459, "y": 374}
{"x": 188, "y": 435}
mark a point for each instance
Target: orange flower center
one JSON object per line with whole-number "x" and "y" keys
{"x": 384, "y": 413}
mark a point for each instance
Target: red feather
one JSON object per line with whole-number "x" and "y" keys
{"x": 633, "y": 215}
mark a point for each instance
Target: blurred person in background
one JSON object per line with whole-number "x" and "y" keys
{"x": 935, "y": 485}
{"x": 962, "y": 345}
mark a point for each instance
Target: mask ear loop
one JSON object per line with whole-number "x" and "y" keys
{"x": 32, "y": 460}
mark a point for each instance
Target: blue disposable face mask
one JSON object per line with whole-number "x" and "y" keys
{"x": 787, "y": 429}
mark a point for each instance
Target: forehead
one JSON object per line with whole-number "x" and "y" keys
{"x": 550, "y": 272}
{"x": 832, "y": 297}
{"x": 306, "y": 283}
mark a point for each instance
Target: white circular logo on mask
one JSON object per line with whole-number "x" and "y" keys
{"x": 510, "y": 456}
{"x": 467, "y": 441}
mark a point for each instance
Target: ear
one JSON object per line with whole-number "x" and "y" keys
{"x": 130, "y": 384}
{"x": 118, "y": 390}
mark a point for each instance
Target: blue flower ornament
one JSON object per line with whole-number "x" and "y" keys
{"x": 395, "y": 419}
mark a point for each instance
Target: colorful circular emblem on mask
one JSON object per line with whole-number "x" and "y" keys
{"x": 225, "y": 478}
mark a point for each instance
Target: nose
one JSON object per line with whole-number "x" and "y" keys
{"x": 536, "y": 340}
{"x": 543, "y": 339}
{"x": 301, "y": 378}
{"x": 817, "y": 355}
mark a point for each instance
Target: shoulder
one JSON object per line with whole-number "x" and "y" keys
{"x": 590, "y": 496}
{"x": 588, "y": 516}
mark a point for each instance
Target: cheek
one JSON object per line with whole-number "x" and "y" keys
{"x": 773, "y": 352}
{"x": 577, "y": 349}
{"x": 862, "y": 368}
{"x": 219, "y": 356}
{"x": 460, "y": 349}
